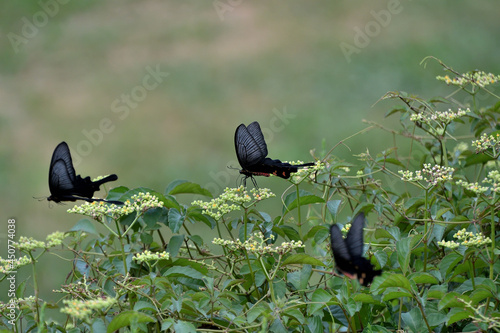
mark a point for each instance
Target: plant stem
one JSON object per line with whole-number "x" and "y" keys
{"x": 298, "y": 210}
{"x": 35, "y": 287}
{"x": 245, "y": 219}
{"x": 426, "y": 214}
{"x": 120, "y": 239}
{"x": 492, "y": 236}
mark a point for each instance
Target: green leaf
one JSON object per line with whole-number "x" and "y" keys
{"x": 352, "y": 306}
{"x": 390, "y": 280}
{"x": 175, "y": 220}
{"x": 457, "y": 314}
{"x": 277, "y": 326}
{"x": 449, "y": 262}
{"x": 477, "y": 159}
{"x": 383, "y": 234}
{"x": 413, "y": 319}
{"x": 333, "y": 207}
{"x": 183, "y": 186}
{"x": 395, "y": 292}
{"x": 174, "y": 245}
{"x": 423, "y": 277}
{"x": 194, "y": 265}
{"x": 453, "y": 300}
{"x": 393, "y": 161}
{"x": 301, "y": 258}
{"x": 437, "y": 291}
{"x": 128, "y": 317}
{"x": 257, "y": 311}
{"x": 184, "y": 327}
{"x": 117, "y": 192}
{"x": 305, "y": 198}
{"x": 320, "y": 298}
{"x": 295, "y": 313}
{"x": 436, "y": 318}
{"x": 319, "y": 233}
{"x": 152, "y": 216}
{"x": 290, "y": 232}
{"x": 403, "y": 252}
{"x": 381, "y": 257}
{"x": 143, "y": 305}
{"x": 479, "y": 295}
{"x": 98, "y": 326}
{"x": 300, "y": 278}
{"x": 315, "y": 324}
{"x": 375, "y": 329}
{"x": 183, "y": 271}
{"x": 85, "y": 225}
{"x": 365, "y": 298}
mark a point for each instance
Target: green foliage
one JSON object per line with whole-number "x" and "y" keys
{"x": 147, "y": 266}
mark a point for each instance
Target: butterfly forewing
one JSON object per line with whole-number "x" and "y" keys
{"x": 62, "y": 153}
{"x": 354, "y": 237}
{"x": 256, "y": 133}
{"x": 248, "y": 150}
{"x": 339, "y": 248}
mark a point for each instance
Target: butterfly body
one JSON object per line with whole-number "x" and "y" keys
{"x": 348, "y": 252}
{"x": 65, "y": 185}
{"x": 251, "y": 150}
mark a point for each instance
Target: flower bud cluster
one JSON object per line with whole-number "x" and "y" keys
{"x": 29, "y": 243}
{"x": 441, "y": 117}
{"x": 257, "y": 244}
{"x": 140, "y": 203}
{"x": 150, "y": 256}
{"x": 473, "y": 187}
{"x": 487, "y": 142}
{"x": 493, "y": 178}
{"x": 431, "y": 174}
{"x": 466, "y": 238}
{"x": 10, "y": 265}
{"x": 232, "y": 199}
{"x": 479, "y": 78}
{"x": 83, "y": 309}
{"x": 305, "y": 172}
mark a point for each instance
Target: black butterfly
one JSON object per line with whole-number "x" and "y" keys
{"x": 347, "y": 253}
{"x": 251, "y": 150}
{"x": 64, "y": 185}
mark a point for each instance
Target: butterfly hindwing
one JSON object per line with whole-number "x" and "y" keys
{"x": 60, "y": 180}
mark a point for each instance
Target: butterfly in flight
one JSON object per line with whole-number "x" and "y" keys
{"x": 347, "y": 252}
{"x": 65, "y": 185}
{"x": 251, "y": 150}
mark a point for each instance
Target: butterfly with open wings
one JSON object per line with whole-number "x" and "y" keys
{"x": 65, "y": 185}
{"x": 348, "y": 252}
{"x": 251, "y": 150}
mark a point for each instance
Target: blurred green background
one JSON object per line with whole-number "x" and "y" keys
{"x": 68, "y": 66}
